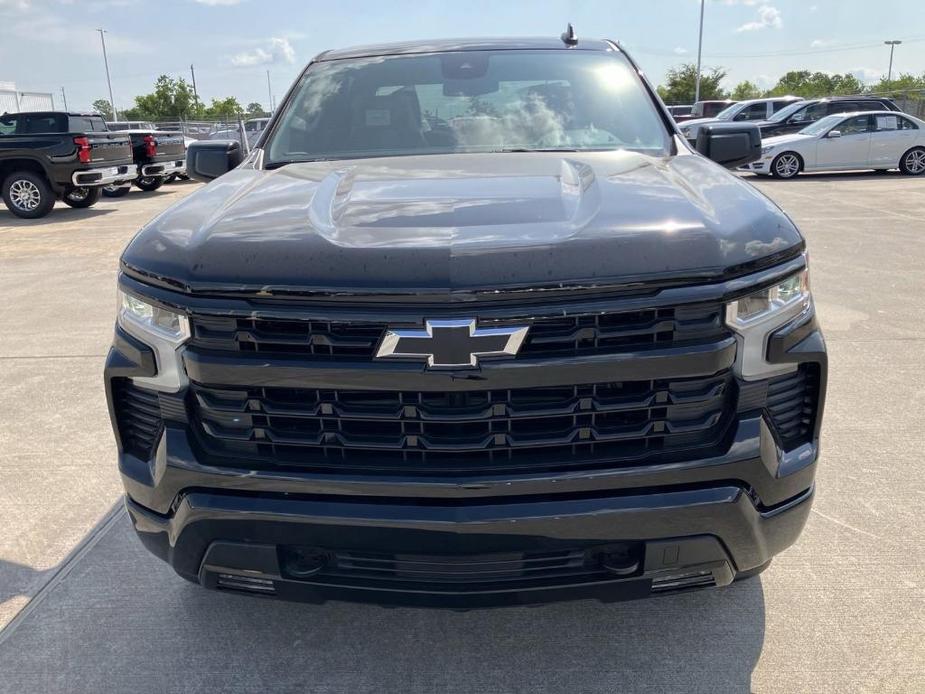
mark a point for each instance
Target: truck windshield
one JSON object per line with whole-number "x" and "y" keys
{"x": 729, "y": 112}
{"x": 468, "y": 101}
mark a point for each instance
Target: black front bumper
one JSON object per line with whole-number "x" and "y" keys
{"x": 484, "y": 539}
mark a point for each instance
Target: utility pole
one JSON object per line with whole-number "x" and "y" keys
{"x": 699, "y": 50}
{"x": 269, "y": 92}
{"x": 64, "y": 96}
{"x": 193, "y": 73}
{"x": 892, "y": 45}
{"x": 112, "y": 102}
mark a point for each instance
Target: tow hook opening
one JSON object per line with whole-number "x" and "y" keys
{"x": 302, "y": 562}
{"x": 620, "y": 560}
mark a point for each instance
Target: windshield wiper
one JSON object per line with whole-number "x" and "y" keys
{"x": 287, "y": 162}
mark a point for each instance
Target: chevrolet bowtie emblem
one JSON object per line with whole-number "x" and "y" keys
{"x": 447, "y": 344}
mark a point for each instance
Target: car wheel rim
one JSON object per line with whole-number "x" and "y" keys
{"x": 110, "y": 189}
{"x": 915, "y": 162}
{"x": 25, "y": 195}
{"x": 787, "y": 165}
{"x": 79, "y": 194}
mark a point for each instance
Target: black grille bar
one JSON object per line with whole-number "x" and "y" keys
{"x": 432, "y": 432}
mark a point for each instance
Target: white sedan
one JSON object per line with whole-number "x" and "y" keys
{"x": 868, "y": 140}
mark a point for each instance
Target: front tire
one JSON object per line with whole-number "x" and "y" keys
{"x": 913, "y": 162}
{"x": 27, "y": 195}
{"x": 116, "y": 191}
{"x": 786, "y": 165}
{"x": 149, "y": 183}
{"x": 80, "y": 198}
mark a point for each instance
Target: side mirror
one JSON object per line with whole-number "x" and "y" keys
{"x": 834, "y": 133}
{"x": 209, "y": 159}
{"x": 730, "y": 145}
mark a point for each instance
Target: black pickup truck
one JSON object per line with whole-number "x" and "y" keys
{"x": 471, "y": 324}
{"x": 49, "y": 155}
{"x": 158, "y": 155}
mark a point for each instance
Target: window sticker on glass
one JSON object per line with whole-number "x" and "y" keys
{"x": 886, "y": 123}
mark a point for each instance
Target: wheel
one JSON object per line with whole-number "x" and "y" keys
{"x": 913, "y": 162}
{"x": 171, "y": 178}
{"x": 149, "y": 183}
{"x": 27, "y": 194}
{"x": 115, "y": 191}
{"x": 81, "y": 197}
{"x": 786, "y": 165}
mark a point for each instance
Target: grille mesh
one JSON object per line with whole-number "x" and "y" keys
{"x": 597, "y": 333}
{"x": 432, "y": 432}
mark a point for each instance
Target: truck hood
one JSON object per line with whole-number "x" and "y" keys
{"x": 463, "y": 222}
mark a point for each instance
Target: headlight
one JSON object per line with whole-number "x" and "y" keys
{"x": 764, "y": 303}
{"x": 164, "y": 331}
{"x": 755, "y": 316}
{"x": 160, "y": 322}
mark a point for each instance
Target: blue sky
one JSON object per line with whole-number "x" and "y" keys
{"x": 47, "y": 44}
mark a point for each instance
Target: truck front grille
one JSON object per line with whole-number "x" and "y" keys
{"x": 600, "y": 332}
{"x": 543, "y": 428}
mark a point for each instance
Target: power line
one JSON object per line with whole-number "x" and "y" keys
{"x": 776, "y": 53}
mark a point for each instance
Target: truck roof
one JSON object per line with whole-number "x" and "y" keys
{"x": 480, "y": 44}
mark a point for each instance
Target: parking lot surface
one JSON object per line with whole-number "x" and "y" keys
{"x": 83, "y": 608}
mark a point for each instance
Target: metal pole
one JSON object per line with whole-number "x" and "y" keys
{"x": 269, "y": 92}
{"x": 193, "y": 73}
{"x": 64, "y": 96}
{"x": 112, "y": 102}
{"x": 699, "y": 49}
{"x": 892, "y": 45}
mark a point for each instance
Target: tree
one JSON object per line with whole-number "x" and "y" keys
{"x": 745, "y": 90}
{"x": 905, "y": 82}
{"x": 104, "y": 108}
{"x": 172, "y": 99}
{"x": 814, "y": 84}
{"x": 225, "y": 109}
{"x": 681, "y": 84}
{"x": 255, "y": 110}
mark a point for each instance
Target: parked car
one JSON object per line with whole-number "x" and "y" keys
{"x": 797, "y": 116}
{"x": 158, "y": 156}
{"x": 680, "y": 113}
{"x": 749, "y": 110}
{"x": 118, "y": 126}
{"x": 864, "y": 140}
{"x": 710, "y": 108}
{"x": 54, "y": 155}
{"x": 416, "y": 349}
{"x": 253, "y": 127}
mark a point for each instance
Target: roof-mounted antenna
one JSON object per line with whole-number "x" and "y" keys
{"x": 569, "y": 38}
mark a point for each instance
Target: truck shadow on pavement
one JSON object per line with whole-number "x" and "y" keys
{"x": 122, "y": 620}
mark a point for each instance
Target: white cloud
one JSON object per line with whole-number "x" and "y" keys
{"x": 768, "y": 18}
{"x": 813, "y": 8}
{"x": 866, "y": 74}
{"x": 278, "y": 50}
{"x": 821, "y": 43}
{"x": 215, "y": 3}
{"x": 680, "y": 51}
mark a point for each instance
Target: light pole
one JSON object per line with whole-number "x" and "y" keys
{"x": 892, "y": 45}
{"x": 115, "y": 116}
{"x": 699, "y": 49}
